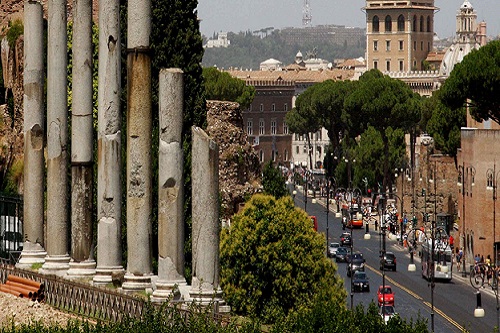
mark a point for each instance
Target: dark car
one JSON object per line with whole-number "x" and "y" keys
{"x": 341, "y": 254}
{"x": 332, "y": 249}
{"x": 355, "y": 262}
{"x": 360, "y": 282}
{"x": 345, "y": 239}
{"x": 388, "y": 260}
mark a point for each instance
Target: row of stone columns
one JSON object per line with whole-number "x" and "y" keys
{"x": 56, "y": 259}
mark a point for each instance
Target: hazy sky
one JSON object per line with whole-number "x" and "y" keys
{"x": 243, "y": 15}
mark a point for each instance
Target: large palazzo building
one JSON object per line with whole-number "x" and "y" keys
{"x": 399, "y": 34}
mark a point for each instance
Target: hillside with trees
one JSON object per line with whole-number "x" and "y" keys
{"x": 248, "y": 50}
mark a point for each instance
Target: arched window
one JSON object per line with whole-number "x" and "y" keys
{"x": 414, "y": 26}
{"x": 401, "y": 23}
{"x": 421, "y": 24}
{"x": 388, "y": 23}
{"x": 375, "y": 24}
{"x": 429, "y": 27}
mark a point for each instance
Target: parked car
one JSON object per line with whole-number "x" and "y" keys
{"x": 385, "y": 296}
{"x": 387, "y": 312}
{"x": 360, "y": 282}
{"x": 345, "y": 239}
{"x": 341, "y": 254}
{"x": 355, "y": 262}
{"x": 332, "y": 249}
{"x": 388, "y": 260}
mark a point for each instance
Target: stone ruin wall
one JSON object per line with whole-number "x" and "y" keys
{"x": 239, "y": 165}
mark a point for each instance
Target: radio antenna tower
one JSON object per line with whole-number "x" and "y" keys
{"x": 306, "y": 14}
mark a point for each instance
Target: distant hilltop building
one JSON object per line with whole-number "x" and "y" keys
{"x": 331, "y": 34}
{"x": 221, "y": 41}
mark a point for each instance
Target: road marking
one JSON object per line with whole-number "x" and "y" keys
{"x": 410, "y": 292}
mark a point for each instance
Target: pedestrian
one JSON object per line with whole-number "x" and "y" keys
{"x": 459, "y": 260}
{"x": 452, "y": 240}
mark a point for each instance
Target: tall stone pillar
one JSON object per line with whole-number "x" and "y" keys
{"x": 139, "y": 128}
{"x": 109, "y": 189}
{"x": 82, "y": 260}
{"x": 205, "y": 195}
{"x": 57, "y": 260}
{"x": 170, "y": 186}
{"x": 34, "y": 124}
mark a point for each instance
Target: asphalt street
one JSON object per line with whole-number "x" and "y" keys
{"x": 454, "y": 302}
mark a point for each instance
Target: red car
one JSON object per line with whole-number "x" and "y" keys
{"x": 385, "y": 295}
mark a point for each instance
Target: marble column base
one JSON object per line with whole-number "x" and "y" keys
{"x": 105, "y": 274}
{"x": 167, "y": 290}
{"x": 82, "y": 269}
{"x": 137, "y": 283}
{"x": 33, "y": 253}
{"x": 55, "y": 265}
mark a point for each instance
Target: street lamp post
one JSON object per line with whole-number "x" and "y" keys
{"x": 305, "y": 193}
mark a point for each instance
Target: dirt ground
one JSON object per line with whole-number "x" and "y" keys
{"x": 24, "y": 311}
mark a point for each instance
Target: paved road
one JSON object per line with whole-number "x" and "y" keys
{"x": 454, "y": 301}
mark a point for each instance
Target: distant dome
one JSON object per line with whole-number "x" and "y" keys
{"x": 298, "y": 55}
{"x": 454, "y": 55}
{"x": 299, "y": 58}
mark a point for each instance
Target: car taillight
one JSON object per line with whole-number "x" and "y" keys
{"x": 394, "y": 260}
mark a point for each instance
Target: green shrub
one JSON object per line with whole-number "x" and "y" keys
{"x": 16, "y": 29}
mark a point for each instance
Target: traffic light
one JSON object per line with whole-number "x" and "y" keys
{"x": 414, "y": 221}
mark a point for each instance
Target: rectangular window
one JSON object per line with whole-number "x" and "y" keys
{"x": 273, "y": 126}
{"x": 375, "y": 64}
{"x": 304, "y": 150}
{"x": 429, "y": 46}
{"x": 273, "y": 107}
{"x": 388, "y": 65}
{"x": 388, "y": 45}
{"x": 250, "y": 126}
{"x": 285, "y": 107}
{"x": 401, "y": 66}
{"x": 285, "y": 128}
{"x": 261, "y": 107}
{"x": 421, "y": 46}
{"x": 262, "y": 130}
{"x": 297, "y": 150}
{"x": 414, "y": 45}
{"x": 256, "y": 140}
{"x": 297, "y": 137}
{"x": 401, "y": 45}
{"x": 375, "y": 45}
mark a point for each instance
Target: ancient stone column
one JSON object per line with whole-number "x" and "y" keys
{"x": 109, "y": 189}
{"x": 170, "y": 186}
{"x": 205, "y": 197}
{"x": 33, "y": 250}
{"x": 57, "y": 260}
{"x": 139, "y": 128}
{"x": 82, "y": 260}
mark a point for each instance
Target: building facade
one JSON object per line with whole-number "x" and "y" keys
{"x": 399, "y": 34}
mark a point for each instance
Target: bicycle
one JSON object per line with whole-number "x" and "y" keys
{"x": 480, "y": 273}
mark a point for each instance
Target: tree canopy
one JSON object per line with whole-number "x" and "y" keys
{"x": 444, "y": 125}
{"x": 475, "y": 82}
{"x": 273, "y": 181}
{"x": 222, "y": 86}
{"x": 273, "y": 262}
{"x": 384, "y": 103}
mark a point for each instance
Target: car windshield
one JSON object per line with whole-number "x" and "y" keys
{"x": 342, "y": 250}
{"x": 357, "y": 256}
{"x": 360, "y": 275}
{"x": 389, "y": 255}
{"x": 334, "y": 244}
{"x": 386, "y": 290}
{"x": 387, "y": 309}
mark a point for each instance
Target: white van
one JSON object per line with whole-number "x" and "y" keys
{"x": 11, "y": 234}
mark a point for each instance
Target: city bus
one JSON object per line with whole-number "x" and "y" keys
{"x": 314, "y": 221}
{"x": 351, "y": 216}
{"x": 442, "y": 260}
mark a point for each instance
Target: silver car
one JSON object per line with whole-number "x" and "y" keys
{"x": 332, "y": 249}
